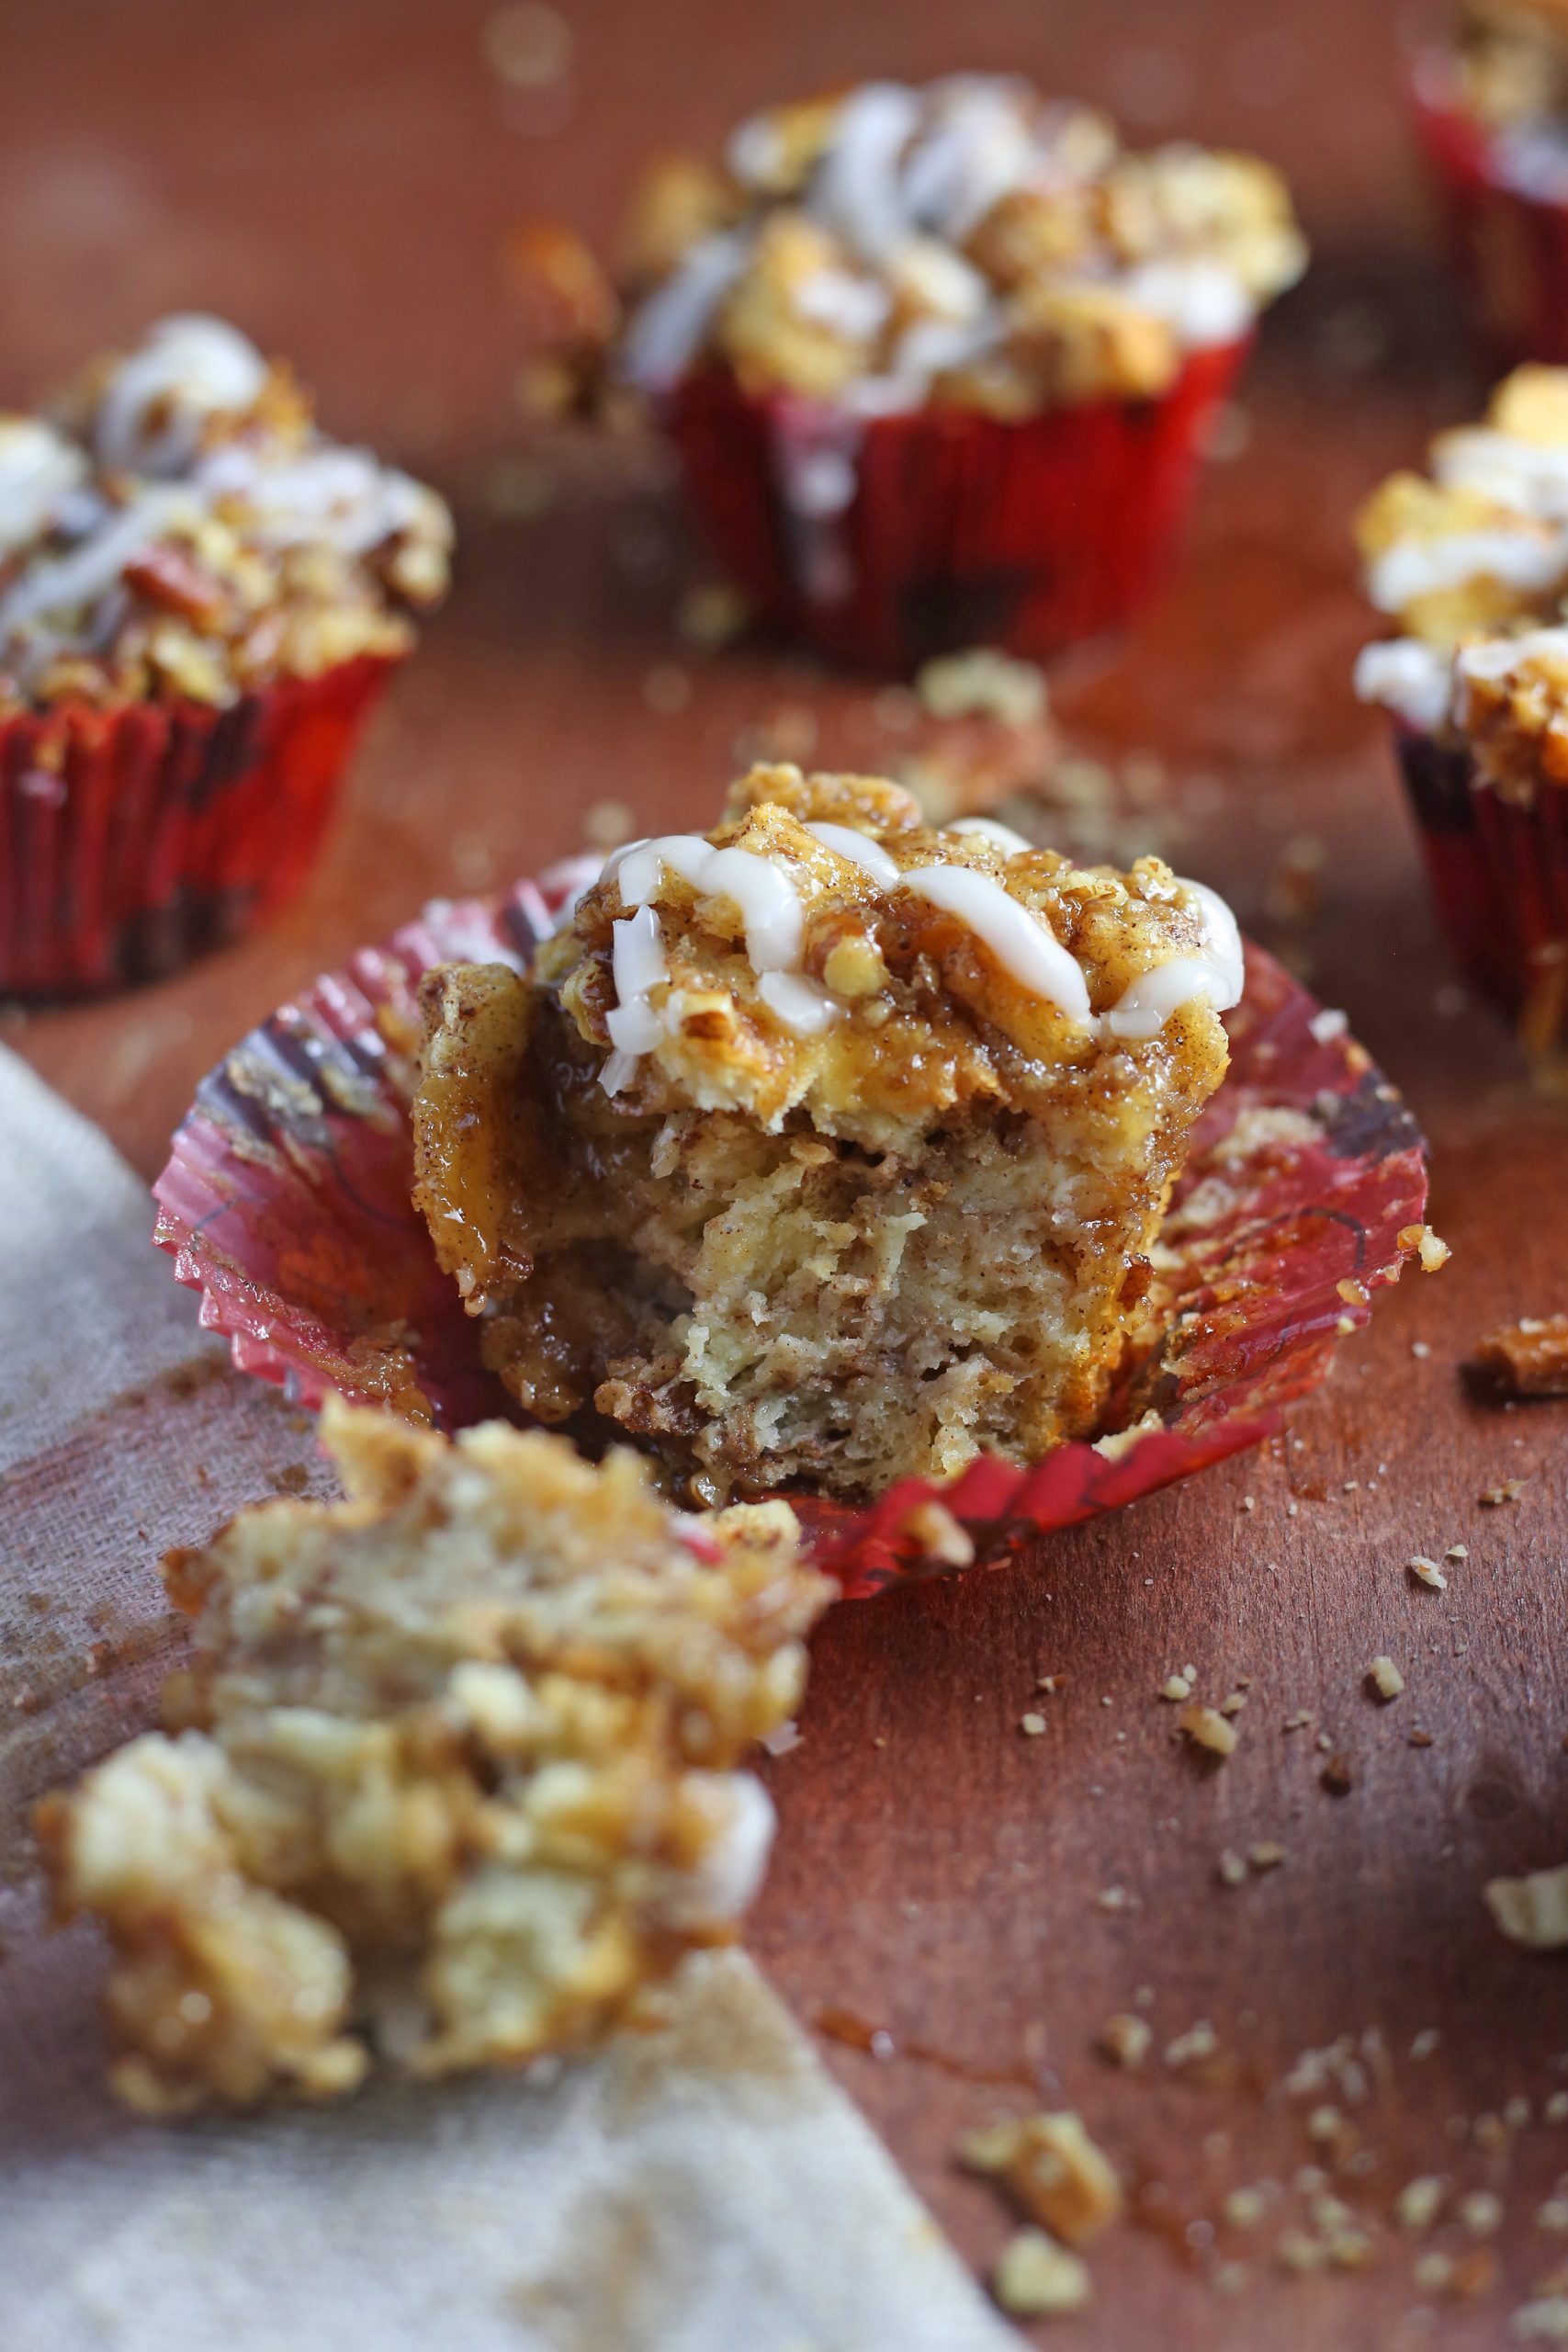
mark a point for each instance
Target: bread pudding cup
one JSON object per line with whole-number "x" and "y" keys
{"x": 286, "y": 1204}
{"x": 828, "y": 1148}
{"x": 1472, "y": 563}
{"x": 201, "y": 599}
{"x": 1492, "y": 112}
{"x": 938, "y": 361}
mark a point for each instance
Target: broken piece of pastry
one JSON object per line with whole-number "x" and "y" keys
{"x": 458, "y": 1774}
{"x": 828, "y": 1146}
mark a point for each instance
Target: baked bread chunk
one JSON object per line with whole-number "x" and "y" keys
{"x": 828, "y": 1146}
{"x": 458, "y": 1771}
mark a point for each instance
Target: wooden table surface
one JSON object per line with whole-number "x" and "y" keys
{"x": 338, "y": 175}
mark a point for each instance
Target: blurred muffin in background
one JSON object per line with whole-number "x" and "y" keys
{"x": 200, "y": 597}
{"x": 1471, "y": 560}
{"x": 937, "y": 361}
{"x": 1492, "y": 113}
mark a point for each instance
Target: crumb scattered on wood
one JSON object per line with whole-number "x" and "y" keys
{"x": 1207, "y": 1728}
{"x": 1385, "y": 1678}
{"x": 1198, "y": 2042}
{"x": 1125, "y": 2038}
{"x": 1427, "y": 1572}
{"x": 1507, "y": 1490}
{"x": 1533, "y": 1910}
{"x": 1481, "y": 2212}
{"x": 1417, "y": 2205}
{"x": 1052, "y": 2171}
{"x": 983, "y": 683}
{"x": 938, "y": 1535}
{"x": 1529, "y": 1358}
{"x": 1545, "y": 2321}
{"x": 1037, "y": 2278}
{"x": 1432, "y": 1252}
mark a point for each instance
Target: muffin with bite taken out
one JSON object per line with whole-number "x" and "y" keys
{"x": 828, "y": 1148}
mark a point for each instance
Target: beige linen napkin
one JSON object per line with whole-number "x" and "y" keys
{"x": 705, "y": 2190}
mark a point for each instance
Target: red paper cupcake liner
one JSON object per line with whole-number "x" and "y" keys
{"x": 1499, "y": 873}
{"x": 136, "y": 838}
{"x": 1509, "y": 249}
{"x": 943, "y": 529}
{"x": 286, "y": 1204}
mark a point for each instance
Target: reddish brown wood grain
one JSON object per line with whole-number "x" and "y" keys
{"x": 340, "y": 177}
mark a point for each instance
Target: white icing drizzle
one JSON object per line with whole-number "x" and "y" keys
{"x": 1533, "y": 158}
{"x": 91, "y": 569}
{"x": 856, "y": 186}
{"x": 766, "y": 894}
{"x": 801, "y": 1004}
{"x": 1019, "y": 941}
{"x": 670, "y": 327}
{"x": 637, "y": 961}
{"x": 328, "y": 491}
{"x": 1411, "y": 567}
{"x": 770, "y": 909}
{"x": 147, "y": 431}
{"x": 1427, "y": 686}
{"x": 39, "y": 468}
{"x": 906, "y": 176}
{"x": 1499, "y": 657}
{"x": 1219, "y": 973}
{"x": 1408, "y": 677}
{"x": 185, "y": 371}
{"x": 855, "y": 307}
{"x": 1529, "y": 475}
{"x": 858, "y": 848}
{"x": 979, "y": 148}
{"x": 1199, "y": 298}
{"x": 991, "y": 829}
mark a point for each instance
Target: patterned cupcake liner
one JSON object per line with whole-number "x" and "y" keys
{"x": 134, "y": 839}
{"x": 286, "y": 1203}
{"x": 1509, "y": 247}
{"x": 1499, "y": 873}
{"x": 885, "y": 541}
